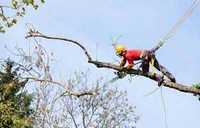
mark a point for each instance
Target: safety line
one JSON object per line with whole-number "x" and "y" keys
{"x": 179, "y": 22}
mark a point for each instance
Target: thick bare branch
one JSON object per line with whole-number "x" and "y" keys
{"x": 99, "y": 64}
{"x": 177, "y": 86}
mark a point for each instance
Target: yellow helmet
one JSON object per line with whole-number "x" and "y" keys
{"x": 119, "y": 48}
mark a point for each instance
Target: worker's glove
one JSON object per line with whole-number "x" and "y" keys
{"x": 120, "y": 74}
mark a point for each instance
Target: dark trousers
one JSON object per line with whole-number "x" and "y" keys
{"x": 148, "y": 57}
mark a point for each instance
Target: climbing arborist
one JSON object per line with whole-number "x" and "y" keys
{"x": 147, "y": 57}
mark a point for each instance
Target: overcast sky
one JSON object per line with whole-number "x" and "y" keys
{"x": 141, "y": 23}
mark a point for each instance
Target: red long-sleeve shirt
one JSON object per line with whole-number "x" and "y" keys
{"x": 132, "y": 55}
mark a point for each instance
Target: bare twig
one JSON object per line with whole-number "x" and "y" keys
{"x": 6, "y": 6}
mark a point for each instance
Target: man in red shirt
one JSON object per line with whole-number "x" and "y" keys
{"x": 147, "y": 57}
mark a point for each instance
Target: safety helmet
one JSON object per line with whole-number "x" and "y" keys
{"x": 119, "y": 49}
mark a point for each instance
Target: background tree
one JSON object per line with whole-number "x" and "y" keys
{"x": 108, "y": 109}
{"x": 15, "y": 103}
{"x": 80, "y": 101}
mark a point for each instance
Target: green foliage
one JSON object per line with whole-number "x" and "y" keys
{"x": 13, "y": 10}
{"x": 196, "y": 85}
{"x": 15, "y": 108}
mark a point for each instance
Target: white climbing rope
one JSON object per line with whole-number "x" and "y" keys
{"x": 177, "y": 25}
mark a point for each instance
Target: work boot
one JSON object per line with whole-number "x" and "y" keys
{"x": 167, "y": 73}
{"x": 160, "y": 80}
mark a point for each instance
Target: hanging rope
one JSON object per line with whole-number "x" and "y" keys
{"x": 164, "y": 107}
{"x": 176, "y": 26}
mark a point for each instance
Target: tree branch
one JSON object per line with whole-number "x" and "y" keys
{"x": 37, "y": 34}
{"x": 67, "y": 92}
{"x": 100, "y": 64}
